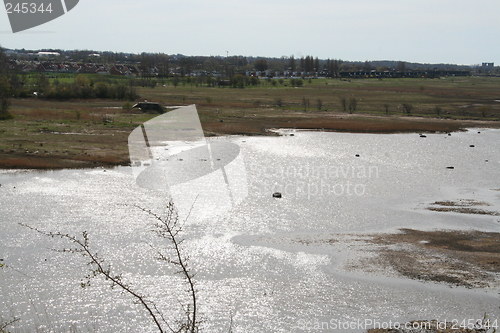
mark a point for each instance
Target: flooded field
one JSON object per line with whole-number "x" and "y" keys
{"x": 357, "y": 212}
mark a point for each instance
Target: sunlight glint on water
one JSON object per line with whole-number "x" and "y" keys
{"x": 248, "y": 269}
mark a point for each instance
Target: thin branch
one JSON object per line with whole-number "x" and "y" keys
{"x": 100, "y": 269}
{"x": 6, "y": 324}
{"x": 167, "y": 228}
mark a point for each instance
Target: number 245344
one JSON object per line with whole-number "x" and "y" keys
{"x": 25, "y": 8}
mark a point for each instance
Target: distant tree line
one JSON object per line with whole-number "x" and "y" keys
{"x": 163, "y": 65}
{"x": 5, "y": 88}
{"x": 82, "y": 87}
{"x": 85, "y": 88}
{"x": 240, "y": 81}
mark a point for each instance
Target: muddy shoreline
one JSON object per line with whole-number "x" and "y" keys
{"x": 469, "y": 259}
{"x": 113, "y": 150}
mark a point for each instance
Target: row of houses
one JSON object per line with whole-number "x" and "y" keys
{"x": 130, "y": 70}
{"x": 118, "y": 69}
{"x": 400, "y": 74}
{"x": 75, "y": 68}
{"x": 261, "y": 74}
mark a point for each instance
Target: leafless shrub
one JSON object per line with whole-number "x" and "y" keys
{"x": 407, "y": 107}
{"x": 278, "y": 102}
{"x": 438, "y": 110}
{"x": 166, "y": 227}
{"x": 343, "y": 103}
{"x": 319, "y": 104}
{"x": 353, "y": 104}
{"x": 305, "y": 103}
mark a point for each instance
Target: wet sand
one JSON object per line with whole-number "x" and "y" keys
{"x": 459, "y": 258}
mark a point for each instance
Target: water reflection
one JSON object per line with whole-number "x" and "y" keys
{"x": 250, "y": 267}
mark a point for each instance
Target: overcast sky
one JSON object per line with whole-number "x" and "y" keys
{"x": 428, "y": 31}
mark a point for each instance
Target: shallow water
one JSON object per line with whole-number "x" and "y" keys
{"x": 251, "y": 275}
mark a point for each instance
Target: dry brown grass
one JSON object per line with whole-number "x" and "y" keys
{"x": 249, "y": 111}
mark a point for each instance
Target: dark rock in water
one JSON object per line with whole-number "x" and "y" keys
{"x": 292, "y": 134}
{"x": 472, "y": 146}
{"x": 423, "y": 136}
{"x": 149, "y": 107}
{"x": 450, "y": 167}
{"x": 277, "y": 195}
{"x": 357, "y": 155}
{"x": 449, "y": 134}
{"x": 478, "y": 132}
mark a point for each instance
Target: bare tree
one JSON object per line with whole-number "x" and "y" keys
{"x": 401, "y": 66}
{"x": 176, "y": 80}
{"x": 4, "y": 99}
{"x": 407, "y": 107}
{"x": 305, "y": 103}
{"x": 438, "y": 110}
{"x": 343, "y": 103}
{"x": 353, "y": 104}
{"x": 485, "y": 110}
{"x": 261, "y": 65}
{"x": 292, "y": 63}
{"x": 319, "y": 104}
{"x": 167, "y": 227}
{"x": 5, "y": 87}
{"x": 386, "y": 108}
{"x": 278, "y": 101}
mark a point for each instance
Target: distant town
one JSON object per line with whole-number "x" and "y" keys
{"x": 159, "y": 65}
